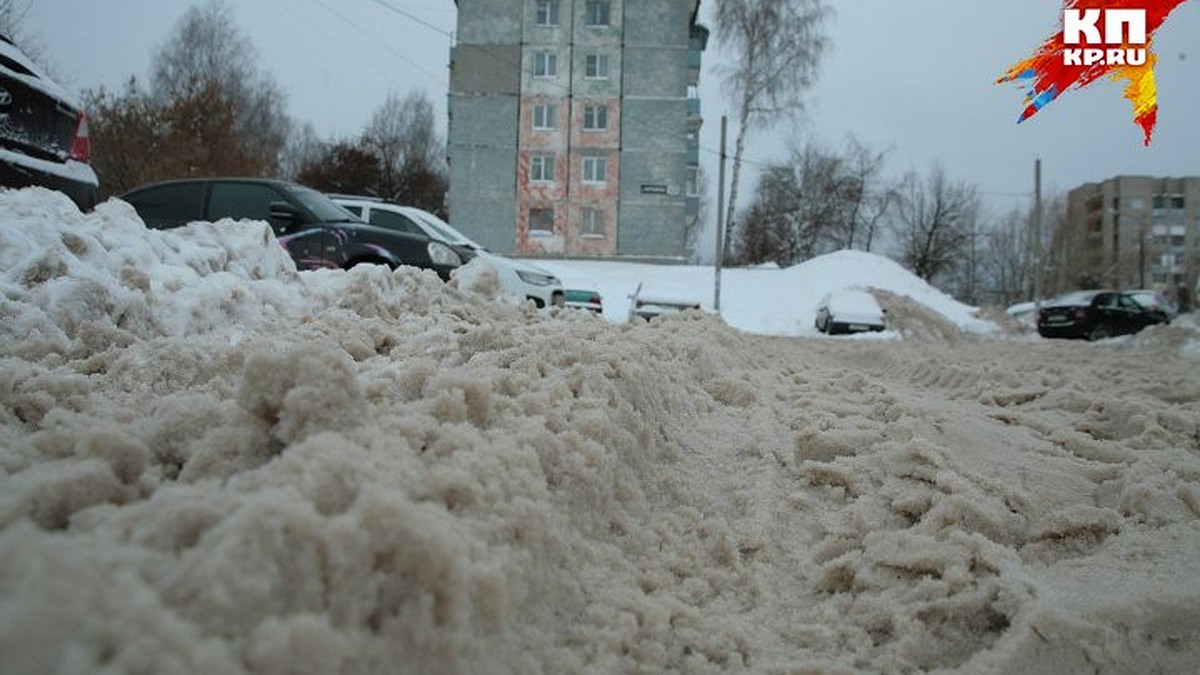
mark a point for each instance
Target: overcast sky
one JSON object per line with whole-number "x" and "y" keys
{"x": 913, "y": 77}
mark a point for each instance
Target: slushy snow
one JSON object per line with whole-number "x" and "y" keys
{"x": 211, "y": 463}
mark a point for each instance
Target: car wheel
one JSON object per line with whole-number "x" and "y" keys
{"x": 1098, "y": 332}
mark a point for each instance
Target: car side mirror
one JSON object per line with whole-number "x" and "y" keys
{"x": 283, "y": 216}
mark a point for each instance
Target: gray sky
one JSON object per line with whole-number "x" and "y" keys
{"x": 913, "y": 77}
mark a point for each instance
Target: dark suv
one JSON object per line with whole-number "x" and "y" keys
{"x": 43, "y": 132}
{"x": 315, "y": 231}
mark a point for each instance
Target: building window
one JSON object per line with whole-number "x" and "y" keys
{"x": 545, "y": 64}
{"x": 541, "y": 169}
{"x": 693, "y": 181}
{"x": 595, "y": 118}
{"x": 541, "y": 221}
{"x": 596, "y": 67}
{"x": 593, "y": 224}
{"x": 545, "y": 116}
{"x": 595, "y": 169}
{"x": 547, "y": 13}
{"x": 597, "y": 12}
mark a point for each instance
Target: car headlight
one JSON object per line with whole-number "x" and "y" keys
{"x": 536, "y": 279}
{"x": 442, "y": 254}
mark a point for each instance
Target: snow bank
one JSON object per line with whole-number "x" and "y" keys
{"x": 767, "y": 300}
{"x": 211, "y": 463}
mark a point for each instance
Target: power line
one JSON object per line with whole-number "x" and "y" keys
{"x": 378, "y": 41}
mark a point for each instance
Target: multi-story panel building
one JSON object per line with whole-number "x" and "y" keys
{"x": 574, "y": 126}
{"x": 1131, "y": 232}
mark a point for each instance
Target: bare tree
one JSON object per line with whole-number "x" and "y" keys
{"x": 820, "y": 200}
{"x": 934, "y": 222}
{"x": 772, "y": 226}
{"x": 344, "y": 167}
{"x": 206, "y": 51}
{"x": 402, "y": 136}
{"x": 139, "y": 140}
{"x": 1007, "y": 265}
{"x": 776, "y": 46}
{"x": 303, "y": 147}
{"x": 867, "y": 195}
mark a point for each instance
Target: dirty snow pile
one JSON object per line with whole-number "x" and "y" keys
{"x": 210, "y": 463}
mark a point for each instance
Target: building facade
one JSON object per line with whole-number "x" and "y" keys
{"x": 574, "y": 126}
{"x": 1131, "y": 232}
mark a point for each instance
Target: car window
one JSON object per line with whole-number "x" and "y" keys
{"x": 1105, "y": 300}
{"x": 356, "y": 210}
{"x": 394, "y": 221}
{"x": 322, "y": 207}
{"x": 242, "y": 200}
{"x": 1129, "y": 304}
{"x": 169, "y": 205}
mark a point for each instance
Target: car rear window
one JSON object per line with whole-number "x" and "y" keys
{"x": 169, "y": 205}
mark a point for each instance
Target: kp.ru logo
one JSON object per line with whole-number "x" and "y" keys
{"x": 1080, "y": 28}
{"x": 1098, "y": 38}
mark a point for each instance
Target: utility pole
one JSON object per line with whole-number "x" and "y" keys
{"x": 1037, "y": 234}
{"x": 720, "y": 221}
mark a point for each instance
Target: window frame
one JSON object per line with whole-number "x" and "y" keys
{"x": 600, "y": 6}
{"x": 541, "y": 168}
{"x": 595, "y": 117}
{"x": 600, "y": 59}
{"x": 597, "y": 164}
{"x": 547, "y": 63}
{"x": 550, "y": 14}
{"x": 539, "y": 231}
{"x": 549, "y": 114}
{"x": 587, "y": 224}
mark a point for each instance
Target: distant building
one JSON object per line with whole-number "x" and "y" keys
{"x": 1131, "y": 232}
{"x": 574, "y": 126}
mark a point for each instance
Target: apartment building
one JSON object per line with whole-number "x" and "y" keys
{"x": 1131, "y": 232}
{"x": 574, "y": 126}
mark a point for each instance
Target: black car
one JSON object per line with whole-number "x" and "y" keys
{"x": 43, "y": 132}
{"x": 1093, "y": 315}
{"x": 315, "y": 231}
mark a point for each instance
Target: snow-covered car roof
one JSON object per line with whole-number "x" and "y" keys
{"x": 852, "y": 300}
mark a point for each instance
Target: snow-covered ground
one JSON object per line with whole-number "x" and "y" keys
{"x": 210, "y": 463}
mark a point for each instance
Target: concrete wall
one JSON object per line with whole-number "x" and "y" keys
{"x": 648, "y": 143}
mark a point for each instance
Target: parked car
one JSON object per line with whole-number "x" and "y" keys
{"x": 582, "y": 294}
{"x": 1157, "y": 303}
{"x": 1093, "y": 315}
{"x": 517, "y": 278}
{"x": 43, "y": 132}
{"x": 849, "y": 310}
{"x": 315, "y": 231}
{"x": 647, "y": 303}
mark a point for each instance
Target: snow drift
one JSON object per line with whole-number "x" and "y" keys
{"x": 212, "y": 463}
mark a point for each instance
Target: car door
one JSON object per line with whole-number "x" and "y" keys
{"x": 1134, "y": 316}
{"x": 1104, "y": 310}
{"x": 304, "y": 241}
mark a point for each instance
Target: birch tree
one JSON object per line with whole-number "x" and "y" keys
{"x": 207, "y": 51}
{"x": 776, "y": 46}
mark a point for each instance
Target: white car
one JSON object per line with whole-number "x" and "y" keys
{"x": 517, "y": 278}
{"x": 849, "y": 311}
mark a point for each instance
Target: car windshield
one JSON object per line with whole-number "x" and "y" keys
{"x": 444, "y": 230}
{"x": 322, "y": 207}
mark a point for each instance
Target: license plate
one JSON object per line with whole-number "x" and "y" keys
{"x": 859, "y": 326}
